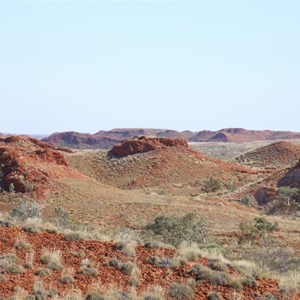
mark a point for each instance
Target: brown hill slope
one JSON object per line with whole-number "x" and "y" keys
{"x": 273, "y": 155}
{"x": 106, "y": 139}
{"x": 176, "y": 169}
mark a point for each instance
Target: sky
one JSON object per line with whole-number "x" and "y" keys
{"x": 184, "y": 65}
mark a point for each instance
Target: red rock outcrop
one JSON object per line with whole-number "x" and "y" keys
{"x": 143, "y": 144}
{"x": 27, "y": 165}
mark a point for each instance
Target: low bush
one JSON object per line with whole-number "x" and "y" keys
{"x": 248, "y": 282}
{"x": 86, "y": 268}
{"x": 22, "y": 245}
{"x": 8, "y": 263}
{"x": 42, "y": 272}
{"x": 52, "y": 259}
{"x": 180, "y": 291}
{"x": 67, "y": 276}
{"x": 26, "y": 209}
{"x": 162, "y": 262}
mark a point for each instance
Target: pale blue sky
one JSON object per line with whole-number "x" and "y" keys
{"x": 196, "y": 65}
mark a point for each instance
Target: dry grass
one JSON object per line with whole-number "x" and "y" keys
{"x": 29, "y": 259}
{"x": 52, "y": 259}
{"x": 290, "y": 282}
{"x": 187, "y": 252}
{"x": 126, "y": 242}
{"x": 9, "y": 264}
{"x": 86, "y": 268}
{"x": 22, "y": 245}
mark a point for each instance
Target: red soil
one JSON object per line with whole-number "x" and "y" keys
{"x": 99, "y": 254}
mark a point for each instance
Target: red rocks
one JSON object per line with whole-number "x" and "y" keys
{"x": 27, "y": 165}
{"x": 52, "y": 156}
{"x": 143, "y": 144}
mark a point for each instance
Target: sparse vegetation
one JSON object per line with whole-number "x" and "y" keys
{"x": 180, "y": 291}
{"x": 9, "y": 264}
{"x": 86, "y": 268}
{"x": 26, "y": 209}
{"x": 52, "y": 259}
{"x": 288, "y": 194}
{"x": 67, "y": 276}
{"x": 259, "y": 229}
{"x": 212, "y": 185}
{"x": 42, "y": 272}
{"x": 22, "y": 245}
{"x": 248, "y": 282}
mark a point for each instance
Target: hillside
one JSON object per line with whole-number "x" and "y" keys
{"x": 264, "y": 192}
{"x": 175, "y": 168}
{"x": 106, "y": 139}
{"x": 273, "y": 155}
{"x": 38, "y": 171}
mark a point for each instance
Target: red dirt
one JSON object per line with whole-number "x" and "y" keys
{"x": 99, "y": 254}
{"x": 143, "y": 144}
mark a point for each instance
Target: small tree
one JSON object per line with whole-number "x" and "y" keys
{"x": 288, "y": 194}
{"x": 259, "y": 229}
{"x": 212, "y": 185}
{"x": 173, "y": 230}
{"x": 264, "y": 226}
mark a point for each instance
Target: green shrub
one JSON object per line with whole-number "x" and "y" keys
{"x": 212, "y": 185}
{"x": 180, "y": 291}
{"x": 288, "y": 194}
{"x": 173, "y": 230}
{"x": 247, "y": 200}
{"x": 263, "y": 225}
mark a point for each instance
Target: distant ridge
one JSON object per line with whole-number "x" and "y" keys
{"x": 106, "y": 139}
